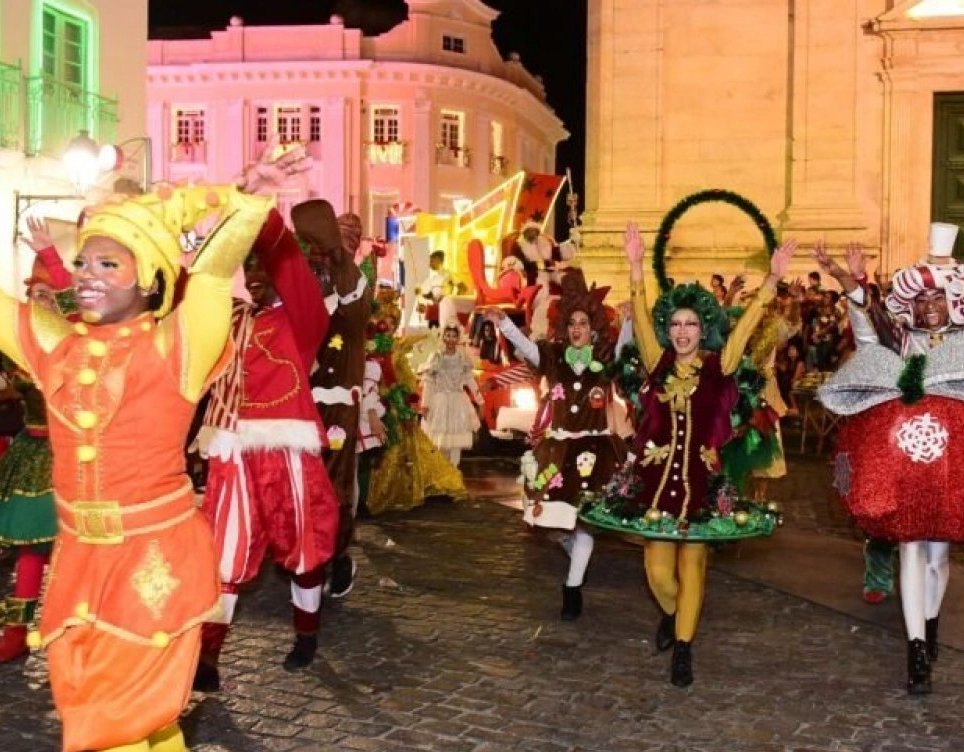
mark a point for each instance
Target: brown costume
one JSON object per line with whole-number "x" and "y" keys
{"x": 337, "y": 382}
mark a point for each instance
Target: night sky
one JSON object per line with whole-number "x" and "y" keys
{"x": 523, "y": 27}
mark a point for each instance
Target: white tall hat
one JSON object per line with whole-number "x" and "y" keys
{"x": 942, "y": 237}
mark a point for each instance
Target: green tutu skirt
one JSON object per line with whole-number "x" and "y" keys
{"x": 27, "y": 513}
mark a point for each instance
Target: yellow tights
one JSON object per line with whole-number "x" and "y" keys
{"x": 168, "y": 739}
{"x": 676, "y": 573}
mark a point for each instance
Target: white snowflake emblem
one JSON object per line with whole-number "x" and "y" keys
{"x": 923, "y": 438}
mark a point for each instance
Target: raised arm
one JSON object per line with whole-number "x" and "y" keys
{"x": 649, "y": 347}
{"x": 205, "y": 313}
{"x": 511, "y": 332}
{"x": 736, "y": 343}
{"x": 281, "y": 258}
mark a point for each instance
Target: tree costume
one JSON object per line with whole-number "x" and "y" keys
{"x": 337, "y": 382}
{"x": 673, "y": 493}
{"x": 411, "y": 468}
{"x": 133, "y": 572}
{"x": 267, "y": 486}
{"x": 579, "y": 452}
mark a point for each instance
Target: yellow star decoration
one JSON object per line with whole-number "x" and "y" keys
{"x": 153, "y": 580}
{"x": 336, "y": 342}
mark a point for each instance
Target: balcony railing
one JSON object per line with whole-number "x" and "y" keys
{"x": 386, "y": 152}
{"x": 498, "y": 165}
{"x": 456, "y": 156}
{"x": 57, "y": 111}
{"x": 11, "y": 113}
{"x": 189, "y": 152}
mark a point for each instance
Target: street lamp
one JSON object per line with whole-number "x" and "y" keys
{"x": 86, "y": 161}
{"x": 81, "y": 161}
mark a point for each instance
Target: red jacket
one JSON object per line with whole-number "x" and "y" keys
{"x": 284, "y": 339}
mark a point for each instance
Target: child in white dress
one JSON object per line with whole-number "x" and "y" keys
{"x": 451, "y": 418}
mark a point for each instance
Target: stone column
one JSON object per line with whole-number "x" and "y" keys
{"x": 824, "y": 102}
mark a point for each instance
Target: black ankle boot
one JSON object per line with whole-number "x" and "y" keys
{"x": 918, "y": 668}
{"x": 930, "y": 632}
{"x": 665, "y": 633}
{"x": 206, "y": 677}
{"x": 303, "y": 652}
{"x": 571, "y": 602}
{"x": 681, "y": 668}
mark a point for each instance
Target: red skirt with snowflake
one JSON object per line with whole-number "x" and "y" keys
{"x": 899, "y": 470}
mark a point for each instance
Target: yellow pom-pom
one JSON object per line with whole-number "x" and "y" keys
{"x": 82, "y": 610}
{"x": 34, "y": 640}
{"x": 161, "y": 639}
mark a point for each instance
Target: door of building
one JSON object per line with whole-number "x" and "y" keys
{"x": 948, "y": 168}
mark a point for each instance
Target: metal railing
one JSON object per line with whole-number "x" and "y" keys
{"x": 457, "y": 156}
{"x": 56, "y": 111}
{"x": 498, "y": 165}
{"x": 11, "y": 108}
{"x": 385, "y": 152}
{"x": 189, "y": 152}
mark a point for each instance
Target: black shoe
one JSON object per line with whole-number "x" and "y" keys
{"x": 342, "y": 576}
{"x": 302, "y": 654}
{"x": 930, "y": 633}
{"x": 665, "y": 633}
{"x": 681, "y": 668}
{"x": 571, "y": 602}
{"x": 918, "y": 668}
{"x": 206, "y": 678}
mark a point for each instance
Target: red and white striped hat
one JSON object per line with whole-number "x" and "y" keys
{"x": 910, "y": 281}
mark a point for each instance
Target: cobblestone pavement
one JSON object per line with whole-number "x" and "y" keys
{"x": 451, "y": 641}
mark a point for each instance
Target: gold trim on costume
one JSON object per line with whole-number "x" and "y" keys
{"x": 710, "y": 458}
{"x": 153, "y": 581}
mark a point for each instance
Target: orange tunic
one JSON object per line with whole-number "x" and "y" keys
{"x": 134, "y": 571}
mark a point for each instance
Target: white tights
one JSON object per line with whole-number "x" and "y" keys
{"x": 454, "y": 455}
{"x": 578, "y": 545}
{"x": 924, "y": 570}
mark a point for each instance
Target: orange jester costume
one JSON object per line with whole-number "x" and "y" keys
{"x": 133, "y": 572}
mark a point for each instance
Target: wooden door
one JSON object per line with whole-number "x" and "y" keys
{"x": 948, "y": 168}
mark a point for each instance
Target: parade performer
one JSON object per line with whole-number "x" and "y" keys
{"x": 451, "y": 417}
{"x": 267, "y": 485}
{"x": 579, "y": 452}
{"x": 337, "y": 379}
{"x": 906, "y": 486}
{"x": 671, "y": 494}
{"x": 411, "y": 468}
{"x": 28, "y": 520}
{"x": 133, "y": 571}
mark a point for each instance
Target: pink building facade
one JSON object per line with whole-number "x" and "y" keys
{"x": 420, "y": 116}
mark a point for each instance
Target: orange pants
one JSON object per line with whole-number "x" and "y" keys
{"x": 110, "y": 692}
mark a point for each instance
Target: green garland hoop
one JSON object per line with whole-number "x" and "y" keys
{"x": 703, "y": 197}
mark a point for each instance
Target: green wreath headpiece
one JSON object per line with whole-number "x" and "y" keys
{"x": 714, "y": 322}
{"x": 703, "y": 197}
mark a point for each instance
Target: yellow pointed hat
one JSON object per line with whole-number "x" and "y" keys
{"x": 150, "y": 227}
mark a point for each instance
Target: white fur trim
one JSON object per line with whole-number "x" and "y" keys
{"x": 281, "y": 433}
{"x": 336, "y": 395}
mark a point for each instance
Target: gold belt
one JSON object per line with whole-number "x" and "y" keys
{"x": 109, "y": 523}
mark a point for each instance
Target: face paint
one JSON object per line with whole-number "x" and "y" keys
{"x": 105, "y": 282}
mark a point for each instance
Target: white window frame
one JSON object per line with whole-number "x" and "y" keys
{"x": 385, "y": 124}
